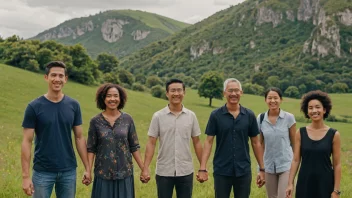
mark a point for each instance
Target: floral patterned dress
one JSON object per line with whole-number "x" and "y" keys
{"x": 113, "y": 147}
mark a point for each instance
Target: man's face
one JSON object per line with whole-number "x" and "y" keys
{"x": 233, "y": 93}
{"x": 56, "y": 78}
{"x": 175, "y": 93}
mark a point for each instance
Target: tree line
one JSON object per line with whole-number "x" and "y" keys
{"x": 33, "y": 55}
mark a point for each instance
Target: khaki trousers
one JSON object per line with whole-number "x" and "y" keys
{"x": 276, "y": 184}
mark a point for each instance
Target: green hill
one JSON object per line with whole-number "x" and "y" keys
{"x": 118, "y": 32}
{"x": 301, "y": 43}
{"x": 18, "y": 87}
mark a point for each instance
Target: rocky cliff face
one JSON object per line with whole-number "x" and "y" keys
{"x": 325, "y": 38}
{"x": 139, "y": 34}
{"x": 64, "y": 31}
{"x": 112, "y": 30}
{"x": 267, "y": 15}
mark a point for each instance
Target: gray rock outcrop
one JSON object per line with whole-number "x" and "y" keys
{"x": 112, "y": 29}
{"x": 267, "y": 15}
{"x": 139, "y": 34}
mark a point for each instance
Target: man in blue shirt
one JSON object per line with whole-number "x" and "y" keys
{"x": 233, "y": 125}
{"x": 51, "y": 118}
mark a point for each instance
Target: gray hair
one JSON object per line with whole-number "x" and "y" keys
{"x": 227, "y": 81}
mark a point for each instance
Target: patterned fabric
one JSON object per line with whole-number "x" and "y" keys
{"x": 113, "y": 146}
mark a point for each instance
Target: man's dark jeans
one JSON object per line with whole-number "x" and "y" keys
{"x": 241, "y": 186}
{"x": 183, "y": 184}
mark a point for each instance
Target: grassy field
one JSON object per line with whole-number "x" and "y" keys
{"x": 19, "y": 87}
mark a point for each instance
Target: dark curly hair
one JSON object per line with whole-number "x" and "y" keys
{"x": 103, "y": 90}
{"x": 55, "y": 64}
{"x": 316, "y": 95}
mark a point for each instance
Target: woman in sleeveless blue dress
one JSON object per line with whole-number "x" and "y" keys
{"x": 318, "y": 177}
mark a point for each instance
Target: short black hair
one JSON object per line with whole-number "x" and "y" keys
{"x": 316, "y": 95}
{"x": 174, "y": 80}
{"x": 55, "y": 64}
{"x": 103, "y": 90}
{"x": 277, "y": 90}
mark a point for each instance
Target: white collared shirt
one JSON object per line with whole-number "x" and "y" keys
{"x": 174, "y": 132}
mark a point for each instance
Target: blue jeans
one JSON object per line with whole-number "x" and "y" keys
{"x": 65, "y": 184}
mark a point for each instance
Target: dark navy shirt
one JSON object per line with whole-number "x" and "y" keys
{"x": 113, "y": 146}
{"x": 53, "y": 123}
{"x": 231, "y": 156}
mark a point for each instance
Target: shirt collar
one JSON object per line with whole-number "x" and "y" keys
{"x": 281, "y": 114}
{"x": 166, "y": 110}
{"x": 225, "y": 110}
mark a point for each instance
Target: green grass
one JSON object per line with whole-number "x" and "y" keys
{"x": 19, "y": 87}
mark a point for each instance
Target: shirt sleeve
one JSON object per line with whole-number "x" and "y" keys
{"x": 30, "y": 118}
{"x": 78, "y": 116}
{"x": 154, "y": 130}
{"x": 258, "y": 122}
{"x": 291, "y": 120}
{"x": 211, "y": 128}
{"x": 92, "y": 141}
{"x": 253, "y": 126}
{"x": 195, "y": 130}
{"x": 133, "y": 138}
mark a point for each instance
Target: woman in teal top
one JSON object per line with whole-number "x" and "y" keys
{"x": 278, "y": 129}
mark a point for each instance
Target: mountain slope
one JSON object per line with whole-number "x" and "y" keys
{"x": 304, "y": 43}
{"x": 119, "y": 32}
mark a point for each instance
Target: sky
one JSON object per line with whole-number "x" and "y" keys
{"x": 27, "y": 18}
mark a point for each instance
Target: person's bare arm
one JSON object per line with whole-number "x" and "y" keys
{"x": 197, "y": 147}
{"x": 292, "y": 133}
{"x": 294, "y": 165}
{"x": 258, "y": 150}
{"x": 26, "y": 149}
{"x": 149, "y": 153}
{"x": 208, "y": 144}
{"x": 81, "y": 147}
{"x": 336, "y": 155}
{"x": 137, "y": 156}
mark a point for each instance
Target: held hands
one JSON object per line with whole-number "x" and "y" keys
{"x": 260, "y": 179}
{"x": 289, "y": 191}
{"x": 27, "y": 186}
{"x": 87, "y": 178}
{"x": 202, "y": 176}
{"x": 145, "y": 175}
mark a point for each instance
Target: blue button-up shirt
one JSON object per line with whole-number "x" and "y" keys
{"x": 278, "y": 152}
{"x": 231, "y": 156}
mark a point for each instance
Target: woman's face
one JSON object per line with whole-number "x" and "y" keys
{"x": 316, "y": 110}
{"x": 273, "y": 100}
{"x": 112, "y": 99}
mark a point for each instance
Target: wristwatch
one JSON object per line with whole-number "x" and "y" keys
{"x": 337, "y": 191}
{"x": 262, "y": 169}
{"x": 202, "y": 170}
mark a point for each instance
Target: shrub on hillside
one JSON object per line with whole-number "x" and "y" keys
{"x": 157, "y": 91}
{"x": 138, "y": 87}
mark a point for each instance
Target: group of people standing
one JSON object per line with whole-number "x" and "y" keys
{"x": 113, "y": 141}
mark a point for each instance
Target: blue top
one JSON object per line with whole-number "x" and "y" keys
{"x": 231, "y": 156}
{"x": 52, "y": 123}
{"x": 278, "y": 152}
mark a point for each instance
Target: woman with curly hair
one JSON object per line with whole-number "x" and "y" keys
{"x": 314, "y": 145}
{"x": 112, "y": 140}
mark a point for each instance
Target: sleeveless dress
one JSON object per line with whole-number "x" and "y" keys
{"x": 316, "y": 175}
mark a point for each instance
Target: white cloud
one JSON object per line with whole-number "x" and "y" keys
{"x": 27, "y": 18}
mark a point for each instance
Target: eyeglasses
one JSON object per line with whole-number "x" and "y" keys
{"x": 233, "y": 91}
{"x": 176, "y": 90}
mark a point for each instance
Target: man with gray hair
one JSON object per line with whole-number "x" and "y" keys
{"x": 233, "y": 125}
